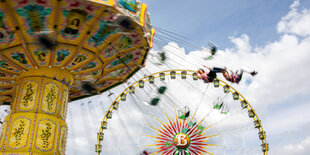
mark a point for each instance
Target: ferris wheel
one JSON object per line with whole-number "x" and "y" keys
{"x": 173, "y": 112}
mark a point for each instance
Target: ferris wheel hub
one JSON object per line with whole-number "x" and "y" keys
{"x": 181, "y": 140}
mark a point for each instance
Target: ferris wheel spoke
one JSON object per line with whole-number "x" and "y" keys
{"x": 150, "y": 88}
{"x": 172, "y": 93}
{"x": 150, "y": 112}
{"x": 232, "y": 147}
{"x": 139, "y": 134}
{"x": 199, "y": 103}
{"x": 221, "y": 120}
{"x": 139, "y": 102}
{"x": 231, "y": 132}
{"x": 191, "y": 85}
{"x": 212, "y": 125}
{"x": 223, "y": 134}
{"x": 170, "y": 87}
{"x": 126, "y": 131}
{"x": 173, "y": 100}
{"x": 129, "y": 116}
{"x": 202, "y": 120}
{"x": 157, "y": 119}
{"x": 123, "y": 148}
{"x": 135, "y": 119}
{"x": 175, "y": 103}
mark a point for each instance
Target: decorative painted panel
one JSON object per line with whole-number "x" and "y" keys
{"x": 16, "y": 95}
{"x": 7, "y": 36}
{"x": 92, "y": 75}
{"x": 29, "y": 94}
{"x": 62, "y": 140}
{"x": 105, "y": 2}
{"x": 40, "y": 55}
{"x": 20, "y": 58}
{"x": 120, "y": 46}
{"x": 64, "y": 104}
{"x": 132, "y": 57}
{"x": 45, "y": 135}
{"x": 3, "y": 132}
{"x": 19, "y": 132}
{"x": 105, "y": 84}
{"x": 105, "y": 31}
{"x": 80, "y": 58}
{"x": 6, "y": 75}
{"x": 4, "y": 65}
{"x": 6, "y": 33}
{"x": 75, "y": 19}
{"x": 50, "y": 98}
{"x": 130, "y": 7}
{"x": 34, "y": 16}
{"x": 148, "y": 27}
{"x": 17, "y": 56}
{"x": 63, "y": 53}
{"x": 89, "y": 67}
{"x": 120, "y": 73}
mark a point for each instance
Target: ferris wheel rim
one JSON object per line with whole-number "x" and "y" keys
{"x": 188, "y": 72}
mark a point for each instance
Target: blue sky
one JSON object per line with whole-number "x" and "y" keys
{"x": 242, "y": 26}
{"x": 270, "y": 36}
{"x": 216, "y": 20}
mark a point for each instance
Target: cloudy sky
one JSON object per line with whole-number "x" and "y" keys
{"x": 270, "y": 36}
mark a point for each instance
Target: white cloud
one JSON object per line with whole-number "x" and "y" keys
{"x": 241, "y": 43}
{"x": 282, "y": 76}
{"x": 282, "y": 79}
{"x": 296, "y": 22}
{"x": 295, "y": 4}
{"x": 301, "y": 148}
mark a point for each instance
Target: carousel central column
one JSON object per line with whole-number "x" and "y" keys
{"x": 36, "y": 124}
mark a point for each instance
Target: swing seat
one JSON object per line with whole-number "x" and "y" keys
{"x": 183, "y": 74}
{"x": 115, "y": 105}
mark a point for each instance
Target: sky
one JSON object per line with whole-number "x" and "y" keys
{"x": 216, "y": 20}
{"x": 270, "y": 36}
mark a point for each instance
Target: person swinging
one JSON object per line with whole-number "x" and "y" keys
{"x": 207, "y": 76}
{"x": 234, "y": 77}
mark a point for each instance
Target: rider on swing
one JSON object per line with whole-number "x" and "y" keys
{"x": 234, "y": 77}
{"x": 207, "y": 76}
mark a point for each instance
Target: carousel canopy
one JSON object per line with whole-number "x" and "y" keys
{"x": 102, "y": 42}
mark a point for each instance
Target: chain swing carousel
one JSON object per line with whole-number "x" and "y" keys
{"x": 52, "y": 52}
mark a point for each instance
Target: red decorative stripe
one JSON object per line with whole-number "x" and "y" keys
{"x": 193, "y": 151}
